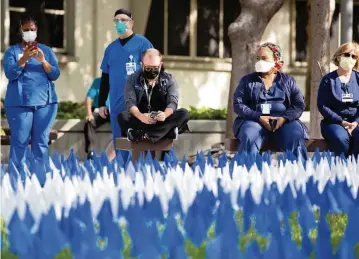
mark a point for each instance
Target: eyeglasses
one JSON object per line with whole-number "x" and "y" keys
{"x": 120, "y": 20}
{"x": 347, "y": 55}
{"x": 150, "y": 68}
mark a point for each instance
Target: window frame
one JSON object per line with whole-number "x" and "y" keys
{"x": 68, "y": 13}
{"x": 292, "y": 15}
{"x": 193, "y": 36}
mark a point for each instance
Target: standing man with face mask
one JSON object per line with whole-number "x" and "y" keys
{"x": 121, "y": 59}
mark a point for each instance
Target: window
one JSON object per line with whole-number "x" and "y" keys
{"x": 192, "y": 28}
{"x": 301, "y": 23}
{"x": 50, "y": 16}
{"x": 208, "y": 28}
{"x": 178, "y": 27}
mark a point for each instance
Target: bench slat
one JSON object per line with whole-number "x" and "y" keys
{"x": 312, "y": 145}
{"x": 163, "y": 145}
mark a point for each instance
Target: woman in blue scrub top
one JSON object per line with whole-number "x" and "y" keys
{"x": 338, "y": 101}
{"x": 268, "y": 104}
{"x": 30, "y": 101}
{"x": 122, "y": 58}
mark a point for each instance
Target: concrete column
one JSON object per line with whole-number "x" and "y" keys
{"x": 346, "y": 8}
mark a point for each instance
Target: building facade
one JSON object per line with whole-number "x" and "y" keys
{"x": 192, "y": 35}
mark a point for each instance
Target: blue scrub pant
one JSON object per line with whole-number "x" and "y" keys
{"x": 289, "y": 137}
{"x": 339, "y": 139}
{"x": 30, "y": 122}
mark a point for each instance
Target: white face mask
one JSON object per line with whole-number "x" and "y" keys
{"x": 29, "y": 36}
{"x": 347, "y": 63}
{"x": 263, "y": 66}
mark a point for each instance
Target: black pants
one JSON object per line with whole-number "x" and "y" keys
{"x": 90, "y": 130}
{"x": 155, "y": 131}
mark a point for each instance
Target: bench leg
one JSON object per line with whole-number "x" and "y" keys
{"x": 158, "y": 155}
{"x": 135, "y": 155}
{"x": 153, "y": 154}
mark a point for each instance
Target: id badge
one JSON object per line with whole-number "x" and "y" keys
{"x": 347, "y": 98}
{"x": 266, "y": 108}
{"x": 130, "y": 68}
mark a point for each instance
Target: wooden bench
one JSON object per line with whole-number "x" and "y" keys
{"x": 5, "y": 140}
{"x": 156, "y": 149}
{"x": 312, "y": 145}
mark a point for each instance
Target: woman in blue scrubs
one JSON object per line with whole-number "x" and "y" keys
{"x": 269, "y": 104}
{"x": 30, "y": 101}
{"x": 338, "y": 101}
{"x": 122, "y": 58}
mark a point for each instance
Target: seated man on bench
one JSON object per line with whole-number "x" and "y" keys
{"x": 151, "y": 98}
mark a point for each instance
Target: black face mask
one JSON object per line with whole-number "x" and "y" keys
{"x": 150, "y": 73}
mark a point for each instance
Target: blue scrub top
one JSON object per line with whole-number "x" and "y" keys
{"x": 330, "y": 103}
{"x": 275, "y": 96}
{"x": 114, "y": 63}
{"x": 94, "y": 93}
{"x": 249, "y": 93}
{"x": 30, "y": 85}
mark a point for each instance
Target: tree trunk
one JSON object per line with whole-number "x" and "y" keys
{"x": 245, "y": 35}
{"x": 322, "y": 13}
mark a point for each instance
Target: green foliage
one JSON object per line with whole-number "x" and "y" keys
{"x": 336, "y": 221}
{"x": 71, "y": 110}
{"x": 207, "y": 114}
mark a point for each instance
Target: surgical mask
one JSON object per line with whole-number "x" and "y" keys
{"x": 263, "y": 66}
{"x": 29, "y": 36}
{"x": 347, "y": 63}
{"x": 121, "y": 27}
{"x": 150, "y": 75}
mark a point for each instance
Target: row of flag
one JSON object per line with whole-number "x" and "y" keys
{"x": 48, "y": 206}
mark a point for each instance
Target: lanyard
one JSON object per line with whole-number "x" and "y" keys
{"x": 148, "y": 95}
{"x": 265, "y": 94}
{"x": 345, "y": 86}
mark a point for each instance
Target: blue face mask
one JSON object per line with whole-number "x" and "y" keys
{"x": 121, "y": 27}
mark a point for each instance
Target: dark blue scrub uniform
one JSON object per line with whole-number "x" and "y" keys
{"x": 30, "y": 102}
{"x": 120, "y": 62}
{"x": 285, "y": 100}
{"x": 338, "y": 102}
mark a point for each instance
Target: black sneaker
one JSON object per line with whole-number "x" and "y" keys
{"x": 90, "y": 155}
{"x": 172, "y": 134}
{"x": 136, "y": 135}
